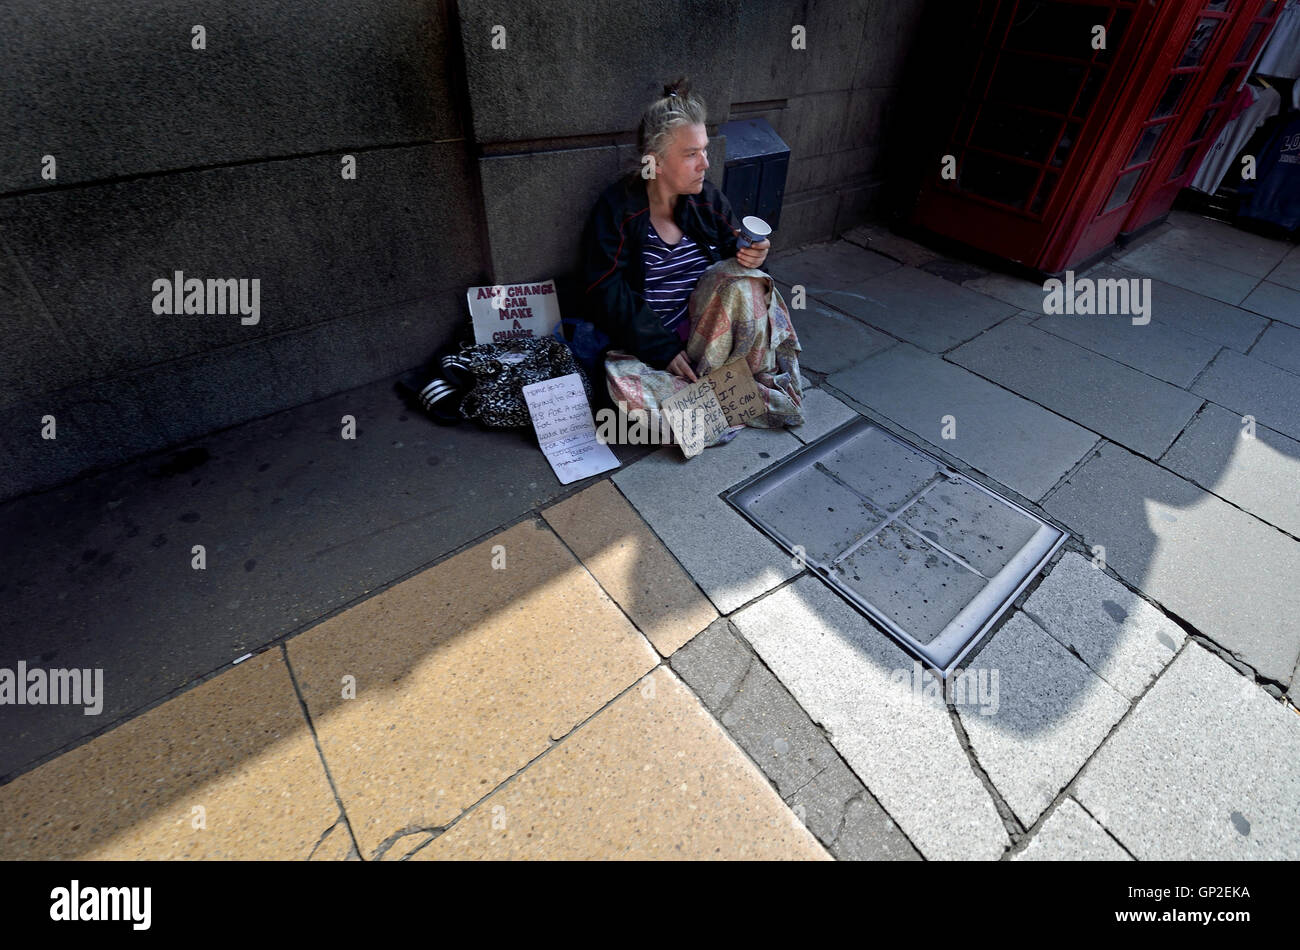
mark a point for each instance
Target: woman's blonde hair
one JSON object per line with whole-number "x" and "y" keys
{"x": 677, "y": 106}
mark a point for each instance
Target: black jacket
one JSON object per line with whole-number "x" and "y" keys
{"x": 613, "y": 274}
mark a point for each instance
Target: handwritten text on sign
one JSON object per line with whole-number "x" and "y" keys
{"x": 696, "y": 417}
{"x": 567, "y": 436}
{"x": 737, "y": 393}
{"x": 513, "y": 311}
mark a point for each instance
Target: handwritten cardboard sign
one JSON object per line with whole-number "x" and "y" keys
{"x": 696, "y": 417}
{"x": 737, "y": 393}
{"x": 513, "y": 311}
{"x": 704, "y": 410}
{"x": 565, "y": 430}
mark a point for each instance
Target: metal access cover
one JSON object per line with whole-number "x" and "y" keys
{"x": 931, "y": 556}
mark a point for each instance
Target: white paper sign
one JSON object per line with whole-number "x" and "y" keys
{"x": 565, "y": 430}
{"x": 513, "y": 311}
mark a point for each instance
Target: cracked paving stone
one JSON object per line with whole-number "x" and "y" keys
{"x": 713, "y": 664}
{"x": 1070, "y": 834}
{"x": 1048, "y": 713}
{"x": 768, "y": 724}
{"x": 334, "y": 845}
{"x": 1122, "y": 638}
{"x": 464, "y": 674}
{"x": 840, "y": 669}
{"x": 1206, "y": 767}
{"x": 839, "y": 810}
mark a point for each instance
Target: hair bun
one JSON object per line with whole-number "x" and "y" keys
{"x": 678, "y": 87}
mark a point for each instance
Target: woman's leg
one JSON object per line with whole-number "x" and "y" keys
{"x": 737, "y": 313}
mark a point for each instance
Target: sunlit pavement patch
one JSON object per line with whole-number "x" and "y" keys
{"x": 225, "y": 771}
{"x": 1207, "y": 766}
{"x": 652, "y": 776}
{"x": 1070, "y": 834}
{"x": 904, "y": 749}
{"x": 463, "y": 674}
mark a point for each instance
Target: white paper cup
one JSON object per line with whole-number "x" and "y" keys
{"x": 753, "y": 230}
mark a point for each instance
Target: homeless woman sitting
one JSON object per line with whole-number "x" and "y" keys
{"x": 666, "y": 279}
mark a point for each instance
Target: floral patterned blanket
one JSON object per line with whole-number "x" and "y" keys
{"x": 736, "y": 312}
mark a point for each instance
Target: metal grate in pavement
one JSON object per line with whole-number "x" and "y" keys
{"x": 931, "y": 556}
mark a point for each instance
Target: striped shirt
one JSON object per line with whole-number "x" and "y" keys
{"x": 671, "y": 273}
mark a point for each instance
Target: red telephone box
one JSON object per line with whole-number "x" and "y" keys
{"x": 1084, "y": 119}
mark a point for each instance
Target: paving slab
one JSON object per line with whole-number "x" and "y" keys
{"x": 844, "y": 816}
{"x": 727, "y": 556}
{"x": 764, "y": 720}
{"x": 1287, "y": 272}
{"x": 225, "y": 771}
{"x": 1154, "y": 348}
{"x": 713, "y": 664}
{"x": 835, "y": 265}
{"x": 1196, "y": 274}
{"x": 1081, "y": 385}
{"x": 1021, "y": 294}
{"x": 882, "y": 241}
{"x": 904, "y": 749}
{"x": 925, "y": 310}
{"x": 1050, "y": 713}
{"x": 651, "y": 777}
{"x": 1252, "y": 387}
{"x": 829, "y": 340}
{"x": 954, "y": 270}
{"x": 1070, "y": 834}
{"x": 463, "y": 674}
{"x": 1279, "y": 345}
{"x": 817, "y": 513}
{"x": 1259, "y": 473}
{"x": 632, "y": 565}
{"x": 1206, "y": 767}
{"x": 1221, "y": 243}
{"x": 1225, "y": 572}
{"x": 1122, "y": 638}
{"x": 1275, "y": 302}
{"x": 822, "y": 413}
{"x": 1180, "y": 309}
{"x": 1021, "y": 445}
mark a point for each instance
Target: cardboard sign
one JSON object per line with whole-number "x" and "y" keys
{"x": 737, "y": 393}
{"x": 513, "y": 311}
{"x": 695, "y": 416}
{"x": 704, "y": 410}
{"x": 565, "y": 430}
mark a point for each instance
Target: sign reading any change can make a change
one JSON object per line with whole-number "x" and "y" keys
{"x": 513, "y": 311}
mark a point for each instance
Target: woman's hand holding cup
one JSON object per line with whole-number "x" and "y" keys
{"x": 754, "y": 255}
